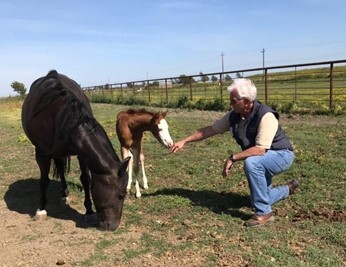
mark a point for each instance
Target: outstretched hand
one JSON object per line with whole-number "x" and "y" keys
{"x": 177, "y": 146}
{"x": 227, "y": 167}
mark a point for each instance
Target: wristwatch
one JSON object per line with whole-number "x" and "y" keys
{"x": 231, "y": 158}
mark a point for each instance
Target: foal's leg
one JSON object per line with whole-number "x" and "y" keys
{"x": 124, "y": 154}
{"x": 85, "y": 180}
{"x": 61, "y": 166}
{"x": 145, "y": 180}
{"x": 136, "y": 150}
{"x": 43, "y": 163}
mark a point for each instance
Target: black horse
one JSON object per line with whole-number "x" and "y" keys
{"x": 58, "y": 119}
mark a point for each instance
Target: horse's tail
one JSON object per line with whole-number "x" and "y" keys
{"x": 61, "y": 166}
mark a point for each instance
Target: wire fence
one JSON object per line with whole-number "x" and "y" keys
{"x": 319, "y": 83}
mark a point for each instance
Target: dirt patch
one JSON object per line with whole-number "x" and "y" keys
{"x": 322, "y": 214}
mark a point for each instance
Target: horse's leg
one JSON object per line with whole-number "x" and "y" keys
{"x": 43, "y": 163}
{"x": 145, "y": 180}
{"x": 127, "y": 153}
{"x": 85, "y": 180}
{"x": 136, "y": 150}
{"x": 60, "y": 166}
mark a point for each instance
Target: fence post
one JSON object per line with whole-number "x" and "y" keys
{"x": 295, "y": 84}
{"x": 266, "y": 85}
{"x": 331, "y": 86}
{"x": 148, "y": 87}
{"x": 122, "y": 92}
{"x": 221, "y": 95}
{"x": 190, "y": 83}
{"x": 166, "y": 91}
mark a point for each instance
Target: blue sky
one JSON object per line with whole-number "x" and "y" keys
{"x": 96, "y": 42}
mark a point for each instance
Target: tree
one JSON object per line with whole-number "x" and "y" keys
{"x": 130, "y": 85}
{"x": 228, "y": 78}
{"x": 204, "y": 78}
{"x": 213, "y": 78}
{"x": 183, "y": 79}
{"x": 19, "y": 88}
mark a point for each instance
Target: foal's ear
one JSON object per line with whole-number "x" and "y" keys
{"x": 164, "y": 114}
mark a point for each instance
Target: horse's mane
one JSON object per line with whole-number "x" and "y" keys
{"x": 139, "y": 111}
{"x": 70, "y": 116}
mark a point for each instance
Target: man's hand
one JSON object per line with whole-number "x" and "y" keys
{"x": 177, "y": 146}
{"x": 227, "y": 167}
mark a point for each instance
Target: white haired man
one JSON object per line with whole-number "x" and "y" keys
{"x": 266, "y": 150}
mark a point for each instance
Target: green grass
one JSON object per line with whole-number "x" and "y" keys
{"x": 192, "y": 214}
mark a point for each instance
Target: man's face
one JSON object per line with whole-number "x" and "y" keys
{"x": 237, "y": 104}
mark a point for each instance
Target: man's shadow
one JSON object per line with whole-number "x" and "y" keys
{"x": 23, "y": 196}
{"x": 218, "y": 202}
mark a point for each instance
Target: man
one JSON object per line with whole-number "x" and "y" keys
{"x": 266, "y": 150}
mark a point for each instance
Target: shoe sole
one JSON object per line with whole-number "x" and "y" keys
{"x": 271, "y": 219}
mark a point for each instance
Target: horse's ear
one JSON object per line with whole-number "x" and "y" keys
{"x": 156, "y": 117}
{"x": 164, "y": 114}
{"x": 123, "y": 167}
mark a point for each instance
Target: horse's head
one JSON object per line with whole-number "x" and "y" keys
{"x": 108, "y": 196}
{"x": 159, "y": 129}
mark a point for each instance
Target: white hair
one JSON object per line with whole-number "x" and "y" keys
{"x": 245, "y": 88}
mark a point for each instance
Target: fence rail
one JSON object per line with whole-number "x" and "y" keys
{"x": 318, "y": 83}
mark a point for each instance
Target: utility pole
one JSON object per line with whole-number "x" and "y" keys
{"x": 263, "y": 51}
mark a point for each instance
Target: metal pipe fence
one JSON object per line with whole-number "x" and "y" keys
{"x": 318, "y": 83}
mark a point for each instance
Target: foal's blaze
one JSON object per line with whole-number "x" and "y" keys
{"x": 58, "y": 120}
{"x": 160, "y": 131}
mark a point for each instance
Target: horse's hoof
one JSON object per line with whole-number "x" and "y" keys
{"x": 40, "y": 215}
{"x": 91, "y": 218}
{"x": 145, "y": 187}
{"x": 65, "y": 201}
{"x": 138, "y": 195}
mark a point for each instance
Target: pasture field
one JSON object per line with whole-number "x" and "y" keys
{"x": 190, "y": 215}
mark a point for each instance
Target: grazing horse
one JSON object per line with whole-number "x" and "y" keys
{"x": 58, "y": 120}
{"x": 130, "y": 126}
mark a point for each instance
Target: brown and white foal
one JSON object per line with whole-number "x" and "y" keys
{"x": 130, "y": 126}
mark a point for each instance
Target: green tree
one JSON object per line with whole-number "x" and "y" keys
{"x": 130, "y": 85}
{"x": 213, "y": 78}
{"x": 183, "y": 79}
{"x": 228, "y": 78}
{"x": 19, "y": 88}
{"x": 204, "y": 78}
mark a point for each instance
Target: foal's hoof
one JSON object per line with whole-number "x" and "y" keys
{"x": 65, "y": 201}
{"x": 40, "y": 215}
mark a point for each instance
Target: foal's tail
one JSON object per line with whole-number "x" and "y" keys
{"x": 61, "y": 166}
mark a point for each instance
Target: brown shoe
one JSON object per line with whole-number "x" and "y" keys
{"x": 292, "y": 186}
{"x": 258, "y": 220}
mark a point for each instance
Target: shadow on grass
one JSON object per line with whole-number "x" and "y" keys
{"x": 23, "y": 197}
{"x": 218, "y": 202}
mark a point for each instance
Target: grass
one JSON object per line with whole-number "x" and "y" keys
{"x": 191, "y": 215}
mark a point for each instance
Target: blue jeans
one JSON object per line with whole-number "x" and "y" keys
{"x": 259, "y": 171}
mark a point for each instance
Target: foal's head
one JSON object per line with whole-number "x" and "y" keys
{"x": 159, "y": 128}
